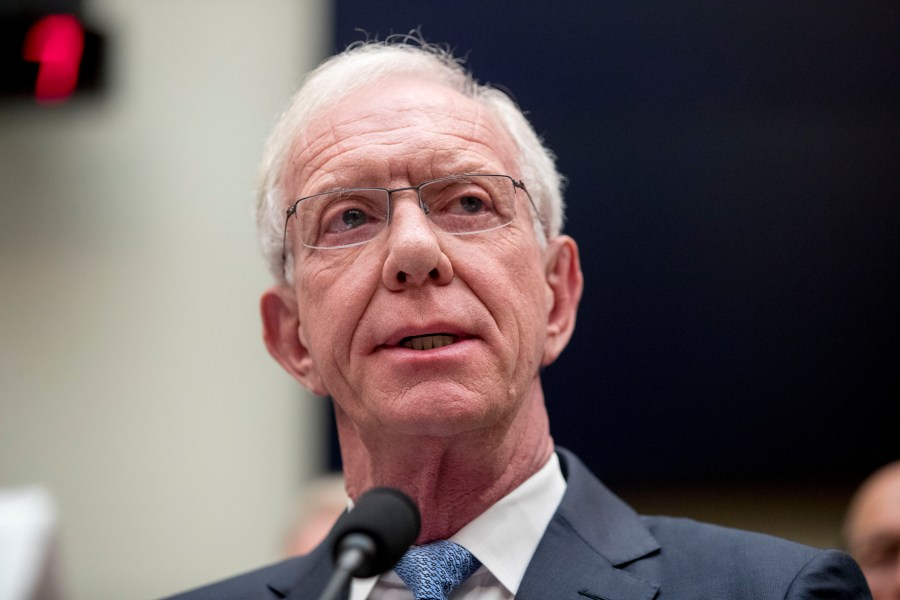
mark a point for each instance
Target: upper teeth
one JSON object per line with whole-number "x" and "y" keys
{"x": 427, "y": 342}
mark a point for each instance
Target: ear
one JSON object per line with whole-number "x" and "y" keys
{"x": 565, "y": 282}
{"x": 282, "y": 334}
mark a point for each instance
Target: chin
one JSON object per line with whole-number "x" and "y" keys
{"x": 441, "y": 414}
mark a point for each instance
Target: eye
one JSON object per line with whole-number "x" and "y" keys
{"x": 353, "y": 218}
{"x": 471, "y": 204}
{"x": 340, "y": 220}
{"x": 345, "y": 218}
{"x": 349, "y": 210}
{"x": 463, "y": 200}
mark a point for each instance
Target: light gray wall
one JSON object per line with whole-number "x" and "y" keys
{"x": 134, "y": 384}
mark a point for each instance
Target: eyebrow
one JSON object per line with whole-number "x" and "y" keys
{"x": 364, "y": 175}
{"x": 435, "y": 174}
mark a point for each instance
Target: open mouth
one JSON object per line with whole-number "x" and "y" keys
{"x": 427, "y": 342}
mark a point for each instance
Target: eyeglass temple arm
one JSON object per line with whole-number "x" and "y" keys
{"x": 287, "y": 218}
{"x": 518, "y": 183}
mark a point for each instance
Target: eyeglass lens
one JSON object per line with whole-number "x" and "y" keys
{"x": 457, "y": 205}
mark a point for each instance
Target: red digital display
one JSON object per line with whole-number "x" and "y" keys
{"x": 56, "y": 43}
{"x": 49, "y": 58}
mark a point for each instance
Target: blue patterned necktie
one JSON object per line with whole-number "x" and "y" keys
{"x": 432, "y": 571}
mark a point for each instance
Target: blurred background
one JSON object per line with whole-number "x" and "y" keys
{"x": 733, "y": 186}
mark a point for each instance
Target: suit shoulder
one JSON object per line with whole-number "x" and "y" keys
{"x": 693, "y": 536}
{"x": 253, "y": 584}
{"x": 735, "y": 560}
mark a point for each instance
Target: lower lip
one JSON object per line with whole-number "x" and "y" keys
{"x": 459, "y": 349}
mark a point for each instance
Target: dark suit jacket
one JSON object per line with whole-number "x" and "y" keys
{"x": 597, "y": 548}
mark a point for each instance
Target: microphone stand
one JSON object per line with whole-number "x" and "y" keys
{"x": 356, "y": 550}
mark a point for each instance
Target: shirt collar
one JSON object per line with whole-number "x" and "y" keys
{"x": 505, "y": 536}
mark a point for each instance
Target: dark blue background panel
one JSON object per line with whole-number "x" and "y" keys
{"x": 734, "y": 189}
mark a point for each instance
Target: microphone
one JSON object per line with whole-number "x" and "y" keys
{"x": 372, "y": 537}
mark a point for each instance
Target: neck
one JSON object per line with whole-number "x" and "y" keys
{"x": 452, "y": 479}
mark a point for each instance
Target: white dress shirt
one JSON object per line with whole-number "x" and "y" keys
{"x": 503, "y": 538}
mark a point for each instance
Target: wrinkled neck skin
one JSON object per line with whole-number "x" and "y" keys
{"x": 451, "y": 479}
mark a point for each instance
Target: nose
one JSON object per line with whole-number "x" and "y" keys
{"x": 415, "y": 256}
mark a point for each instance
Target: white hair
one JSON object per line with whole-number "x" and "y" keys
{"x": 364, "y": 63}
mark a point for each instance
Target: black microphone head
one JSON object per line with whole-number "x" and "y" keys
{"x": 386, "y": 516}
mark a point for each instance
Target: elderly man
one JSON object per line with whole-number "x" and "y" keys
{"x": 412, "y": 219}
{"x": 872, "y": 531}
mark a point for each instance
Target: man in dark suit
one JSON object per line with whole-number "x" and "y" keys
{"x": 412, "y": 219}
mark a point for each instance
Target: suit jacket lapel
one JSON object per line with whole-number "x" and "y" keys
{"x": 592, "y": 535}
{"x": 309, "y": 578}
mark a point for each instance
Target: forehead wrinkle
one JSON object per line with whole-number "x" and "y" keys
{"x": 342, "y": 135}
{"x": 367, "y": 165}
